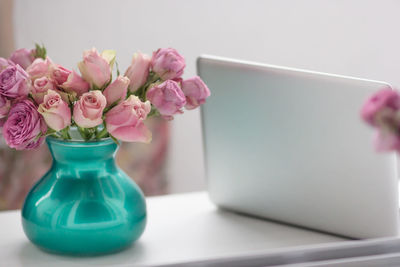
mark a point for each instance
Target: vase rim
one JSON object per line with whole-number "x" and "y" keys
{"x": 76, "y": 142}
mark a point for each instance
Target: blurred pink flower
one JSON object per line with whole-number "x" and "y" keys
{"x": 196, "y": 92}
{"x": 39, "y": 68}
{"x": 125, "y": 121}
{"x": 5, "y": 105}
{"x": 167, "y": 63}
{"x": 40, "y": 87}
{"x": 386, "y": 100}
{"x": 22, "y": 57}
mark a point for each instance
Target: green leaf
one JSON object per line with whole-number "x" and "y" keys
{"x": 40, "y": 51}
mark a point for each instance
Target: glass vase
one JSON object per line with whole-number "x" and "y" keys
{"x": 85, "y": 204}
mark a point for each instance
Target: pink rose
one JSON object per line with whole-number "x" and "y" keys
{"x": 22, "y": 57}
{"x": 5, "y": 105}
{"x": 167, "y": 97}
{"x": 40, "y": 88}
{"x": 125, "y": 121}
{"x": 75, "y": 83}
{"x": 59, "y": 74}
{"x": 88, "y": 110}
{"x": 94, "y": 68}
{"x": 39, "y": 68}
{"x": 138, "y": 71}
{"x": 381, "y": 106}
{"x": 117, "y": 90}
{"x": 14, "y": 82}
{"x": 196, "y": 92}
{"x": 55, "y": 111}
{"x": 23, "y": 125}
{"x": 4, "y": 63}
{"x": 167, "y": 63}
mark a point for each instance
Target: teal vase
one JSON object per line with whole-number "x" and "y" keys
{"x": 84, "y": 204}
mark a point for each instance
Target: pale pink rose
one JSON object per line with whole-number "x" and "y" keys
{"x": 55, "y": 111}
{"x": 88, "y": 110}
{"x": 40, "y": 88}
{"x": 5, "y": 105}
{"x": 75, "y": 83}
{"x": 387, "y": 141}
{"x": 167, "y": 63}
{"x": 94, "y": 68}
{"x": 125, "y": 121}
{"x": 39, "y": 68}
{"x": 59, "y": 74}
{"x": 167, "y": 97}
{"x": 22, "y": 57}
{"x": 117, "y": 90}
{"x": 196, "y": 92}
{"x": 138, "y": 71}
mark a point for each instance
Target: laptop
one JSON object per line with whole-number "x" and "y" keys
{"x": 288, "y": 145}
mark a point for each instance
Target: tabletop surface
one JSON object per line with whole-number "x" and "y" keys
{"x": 180, "y": 228}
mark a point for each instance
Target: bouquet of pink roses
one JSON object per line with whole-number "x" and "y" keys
{"x": 40, "y": 98}
{"x": 382, "y": 111}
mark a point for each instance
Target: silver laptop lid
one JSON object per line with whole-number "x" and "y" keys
{"x": 288, "y": 145}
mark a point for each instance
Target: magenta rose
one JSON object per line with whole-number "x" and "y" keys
{"x": 138, "y": 71}
{"x": 167, "y": 97}
{"x": 23, "y": 126}
{"x": 381, "y": 106}
{"x": 88, "y": 110}
{"x": 167, "y": 63}
{"x": 125, "y": 121}
{"x": 55, "y": 111}
{"x": 39, "y": 68}
{"x": 14, "y": 82}
{"x": 117, "y": 90}
{"x": 95, "y": 69}
{"x": 75, "y": 83}
{"x": 196, "y": 92}
{"x": 22, "y": 57}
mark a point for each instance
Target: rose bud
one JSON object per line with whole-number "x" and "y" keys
{"x": 125, "y": 121}
{"x": 88, "y": 110}
{"x": 39, "y": 68}
{"x": 138, "y": 71}
{"x": 381, "y": 106}
{"x": 22, "y": 57}
{"x": 23, "y": 125}
{"x": 117, "y": 90}
{"x": 40, "y": 88}
{"x": 95, "y": 69}
{"x": 14, "y": 82}
{"x": 196, "y": 92}
{"x": 167, "y": 97}
{"x": 55, "y": 111}
{"x": 109, "y": 56}
{"x": 75, "y": 83}
{"x": 5, "y": 105}
{"x": 167, "y": 63}
{"x": 59, "y": 74}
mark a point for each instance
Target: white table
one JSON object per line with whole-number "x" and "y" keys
{"x": 181, "y": 228}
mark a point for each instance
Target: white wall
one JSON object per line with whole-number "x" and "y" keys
{"x": 357, "y": 38}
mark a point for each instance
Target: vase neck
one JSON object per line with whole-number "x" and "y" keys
{"x": 67, "y": 152}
